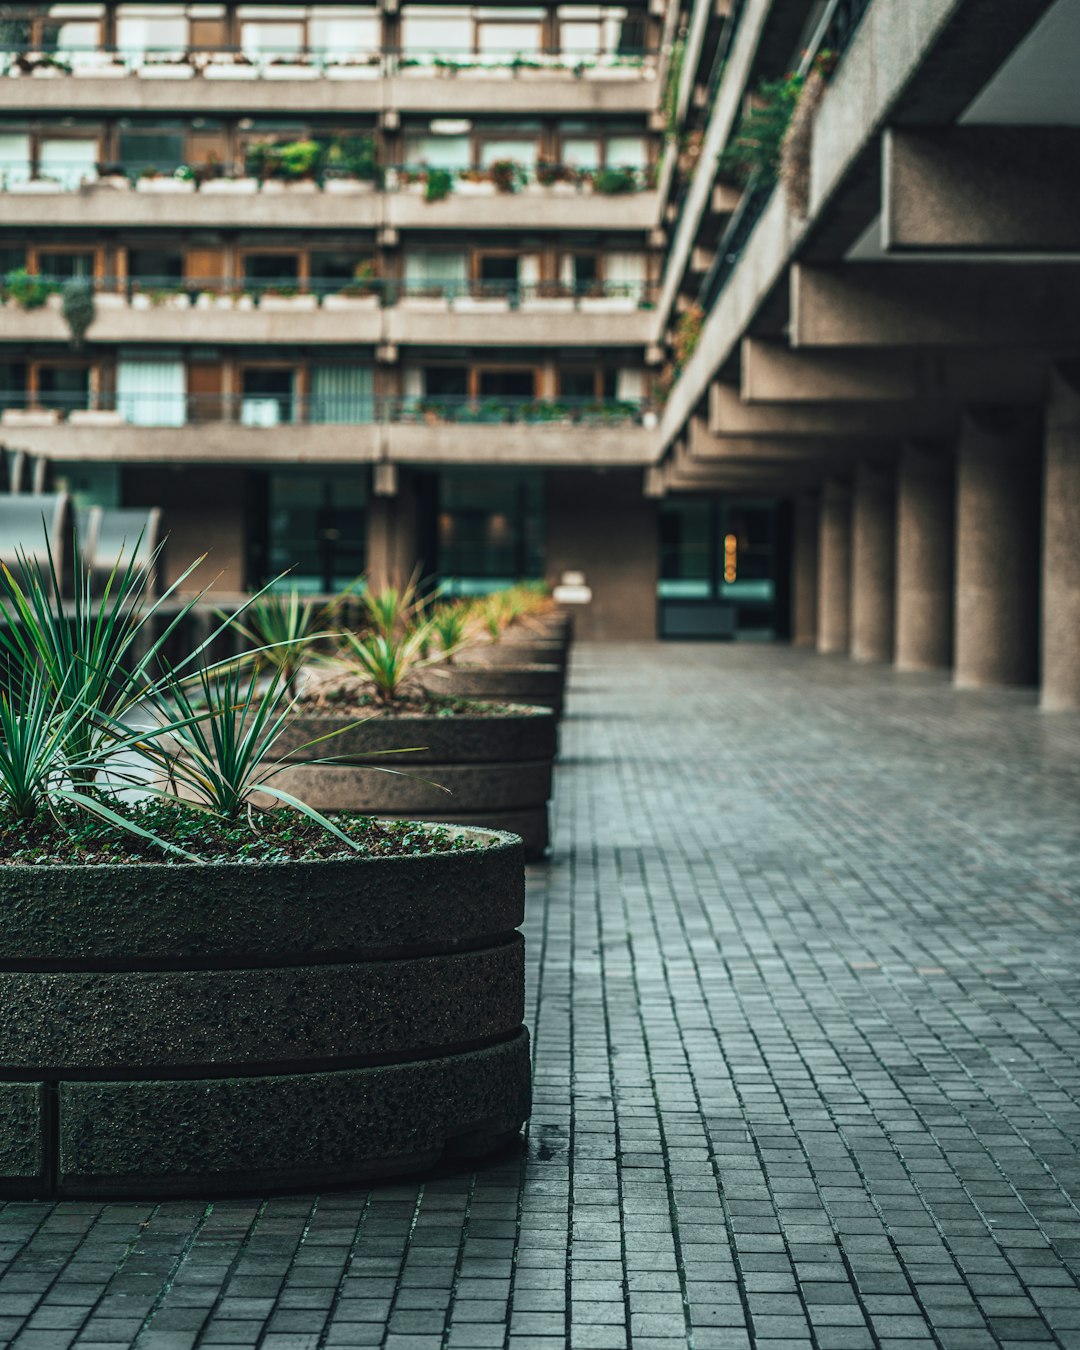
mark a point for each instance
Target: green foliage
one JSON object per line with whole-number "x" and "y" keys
{"x": 438, "y": 184}
{"x": 688, "y": 334}
{"x": 670, "y": 102}
{"x": 611, "y": 182}
{"x": 389, "y": 662}
{"x": 508, "y": 175}
{"x": 355, "y": 155}
{"x": 225, "y": 726}
{"x": 282, "y": 629}
{"x": 77, "y": 306}
{"x": 91, "y": 703}
{"x": 391, "y": 609}
{"x": 299, "y": 159}
{"x": 754, "y": 151}
{"x": 450, "y": 627}
{"x": 27, "y": 290}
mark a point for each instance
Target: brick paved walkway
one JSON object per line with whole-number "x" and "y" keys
{"x": 806, "y": 997}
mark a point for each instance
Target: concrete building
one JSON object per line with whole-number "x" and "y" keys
{"x": 515, "y": 290}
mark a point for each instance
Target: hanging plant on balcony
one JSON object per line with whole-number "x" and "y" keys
{"x": 798, "y": 140}
{"x": 438, "y": 184}
{"x": 687, "y": 335}
{"x": 754, "y": 152}
{"x": 26, "y": 289}
{"x": 77, "y": 306}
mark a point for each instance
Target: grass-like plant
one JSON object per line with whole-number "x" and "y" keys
{"x": 390, "y": 662}
{"x": 450, "y": 628}
{"x": 282, "y": 629}
{"x": 391, "y": 609}
{"x": 222, "y": 727}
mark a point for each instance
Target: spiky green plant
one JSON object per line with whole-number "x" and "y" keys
{"x": 389, "y": 664}
{"x": 450, "y": 628}
{"x": 283, "y": 630}
{"x": 221, "y": 754}
{"x": 391, "y": 609}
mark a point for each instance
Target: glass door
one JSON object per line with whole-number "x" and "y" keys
{"x": 317, "y": 527}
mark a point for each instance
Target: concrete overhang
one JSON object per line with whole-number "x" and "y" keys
{"x": 201, "y": 443}
{"x": 730, "y": 416}
{"x": 965, "y": 304}
{"x": 513, "y": 445}
{"x": 772, "y": 373}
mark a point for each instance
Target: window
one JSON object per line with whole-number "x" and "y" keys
{"x": 440, "y": 152}
{"x": 272, "y": 31}
{"x": 152, "y": 266}
{"x": 522, "y": 150}
{"x": 68, "y": 161}
{"x": 149, "y": 33}
{"x": 490, "y": 529}
{"x": 267, "y": 271}
{"x": 70, "y": 30}
{"x": 342, "y": 394}
{"x": 152, "y": 393}
{"x": 430, "y": 271}
{"x": 316, "y": 525}
{"x": 160, "y": 147}
{"x": 503, "y": 34}
{"x": 429, "y": 31}
{"x": 64, "y": 264}
{"x": 15, "y": 165}
{"x": 626, "y": 152}
{"x": 590, "y": 31}
{"x": 267, "y": 397}
{"x": 343, "y": 32}
{"x": 65, "y": 387}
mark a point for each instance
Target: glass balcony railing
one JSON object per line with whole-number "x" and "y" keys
{"x": 234, "y": 63}
{"x": 504, "y": 177}
{"x": 22, "y": 290}
{"x": 262, "y": 408}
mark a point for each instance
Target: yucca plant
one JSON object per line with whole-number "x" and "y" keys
{"x": 389, "y": 663}
{"x": 283, "y": 629}
{"x": 219, "y": 755}
{"x": 100, "y": 655}
{"x": 391, "y": 609}
{"x": 450, "y": 628}
{"x": 490, "y": 614}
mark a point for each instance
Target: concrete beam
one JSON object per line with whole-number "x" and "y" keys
{"x": 981, "y": 188}
{"x": 730, "y": 416}
{"x": 935, "y": 304}
{"x": 704, "y": 446}
{"x": 773, "y": 373}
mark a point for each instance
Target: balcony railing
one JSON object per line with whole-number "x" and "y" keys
{"x": 232, "y": 63}
{"x": 432, "y": 183}
{"x": 31, "y": 292}
{"x": 168, "y": 409}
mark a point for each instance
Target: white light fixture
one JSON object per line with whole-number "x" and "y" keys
{"x": 450, "y": 126}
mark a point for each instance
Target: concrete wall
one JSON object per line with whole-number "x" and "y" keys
{"x": 600, "y": 524}
{"x": 202, "y": 512}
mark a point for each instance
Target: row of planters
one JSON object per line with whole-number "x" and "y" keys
{"x": 469, "y": 693}
{"x": 211, "y": 985}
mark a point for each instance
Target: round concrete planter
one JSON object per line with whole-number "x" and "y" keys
{"x": 187, "y": 1030}
{"x": 498, "y": 769}
{"x": 539, "y": 685}
{"x": 518, "y": 652}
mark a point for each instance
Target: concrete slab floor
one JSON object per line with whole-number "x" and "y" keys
{"x": 805, "y": 993}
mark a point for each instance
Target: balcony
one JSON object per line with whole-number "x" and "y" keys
{"x": 114, "y": 80}
{"x": 233, "y": 429}
{"x": 558, "y": 198}
{"x": 371, "y": 312}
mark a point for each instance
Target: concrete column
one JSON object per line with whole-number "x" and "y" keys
{"x": 391, "y": 538}
{"x": 998, "y": 481}
{"x": 873, "y": 564}
{"x": 924, "y": 560}
{"x": 834, "y": 569}
{"x": 804, "y": 572}
{"x": 1061, "y": 546}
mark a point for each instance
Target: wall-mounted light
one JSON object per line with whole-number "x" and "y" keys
{"x": 731, "y": 557}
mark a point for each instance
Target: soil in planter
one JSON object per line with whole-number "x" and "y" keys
{"x": 351, "y": 703}
{"x": 270, "y": 836}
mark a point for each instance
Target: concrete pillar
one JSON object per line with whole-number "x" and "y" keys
{"x": 998, "y": 482}
{"x": 924, "y": 560}
{"x": 804, "y": 572}
{"x": 873, "y": 564}
{"x": 1061, "y": 546}
{"x": 391, "y": 535}
{"x": 834, "y": 569}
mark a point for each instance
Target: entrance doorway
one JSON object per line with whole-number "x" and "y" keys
{"x": 315, "y": 525}
{"x": 719, "y": 568}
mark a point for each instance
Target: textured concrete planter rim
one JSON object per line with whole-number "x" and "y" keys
{"x": 185, "y": 915}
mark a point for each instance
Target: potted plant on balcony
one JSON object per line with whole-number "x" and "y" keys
{"x": 224, "y": 995}
{"x": 468, "y": 762}
{"x": 360, "y": 293}
{"x": 152, "y": 179}
{"x": 438, "y": 184}
{"x": 352, "y": 165}
{"x": 508, "y": 175}
{"x": 26, "y": 289}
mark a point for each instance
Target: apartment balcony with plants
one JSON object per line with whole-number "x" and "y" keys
{"x": 343, "y": 56}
